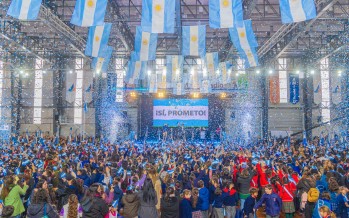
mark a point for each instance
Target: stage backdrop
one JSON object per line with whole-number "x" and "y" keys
{"x": 190, "y": 112}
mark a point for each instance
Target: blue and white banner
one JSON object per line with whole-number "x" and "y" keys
{"x": 224, "y": 13}
{"x": 174, "y": 67}
{"x": 190, "y": 112}
{"x": 97, "y": 40}
{"x": 294, "y": 88}
{"x": 297, "y": 10}
{"x": 158, "y": 16}
{"x": 24, "y": 9}
{"x": 145, "y": 45}
{"x": 225, "y": 72}
{"x": 194, "y": 40}
{"x": 136, "y": 70}
{"x": 101, "y": 64}
{"x": 89, "y": 13}
{"x": 211, "y": 64}
{"x": 153, "y": 83}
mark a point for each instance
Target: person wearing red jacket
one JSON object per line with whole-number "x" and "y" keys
{"x": 254, "y": 182}
{"x": 286, "y": 193}
{"x": 261, "y": 168}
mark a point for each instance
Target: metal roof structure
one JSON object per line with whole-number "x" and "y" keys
{"x": 52, "y": 34}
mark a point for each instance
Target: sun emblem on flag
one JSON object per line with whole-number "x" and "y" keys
{"x": 225, "y": 3}
{"x": 194, "y": 38}
{"x": 242, "y": 34}
{"x": 90, "y": 3}
{"x": 97, "y": 38}
{"x": 249, "y": 54}
{"x": 145, "y": 42}
{"x": 210, "y": 65}
{"x": 138, "y": 64}
{"x": 158, "y": 8}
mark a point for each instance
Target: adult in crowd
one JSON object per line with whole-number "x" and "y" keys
{"x": 92, "y": 204}
{"x": 40, "y": 207}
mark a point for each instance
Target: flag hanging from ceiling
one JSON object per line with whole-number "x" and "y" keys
{"x": 245, "y": 42}
{"x": 89, "y": 13}
{"x": 174, "y": 67}
{"x": 224, "y": 13}
{"x": 211, "y": 64}
{"x": 274, "y": 89}
{"x": 158, "y": 16}
{"x": 153, "y": 83}
{"x": 194, "y": 80}
{"x": 145, "y": 45}
{"x": 164, "y": 78}
{"x": 194, "y": 40}
{"x": 225, "y": 71}
{"x": 297, "y": 10}
{"x": 24, "y": 9}
{"x": 294, "y": 88}
{"x": 135, "y": 70}
{"x": 101, "y": 64}
{"x": 179, "y": 89}
{"x": 98, "y": 37}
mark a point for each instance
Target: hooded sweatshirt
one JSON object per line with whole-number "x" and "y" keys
{"x": 131, "y": 205}
{"x": 38, "y": 211}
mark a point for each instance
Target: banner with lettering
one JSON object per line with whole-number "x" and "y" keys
{"x": 294, "y": 88}
{"x": 274, "y": 89}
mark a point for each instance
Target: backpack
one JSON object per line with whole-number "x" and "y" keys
{"x": 313, "y": 195}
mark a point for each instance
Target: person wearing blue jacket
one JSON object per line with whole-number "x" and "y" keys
{"x": 273, "y": 203}
{"x": 185, "y": 208}
{"x": 204, "y": 196}
{"x": 342, "y": 203}
{"x": 230, "y": 200}
{"x": 218, "y": 209}
{"x": 323, "y": 201}
{"x": 250, "y": 202}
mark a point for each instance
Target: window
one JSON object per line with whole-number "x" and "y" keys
{"x": 120, "y": 74}
{"x": 325, "y": 91}
{"x": 283, "y": 80}
{"x": 1, "y": 84}
{"x": 78, "y": 104}
{"x": 38, "y": 91}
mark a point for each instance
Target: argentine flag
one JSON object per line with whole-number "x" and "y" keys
{"x": 158, "y": 16}
{"x": 135, "y": 70}
{"x": 153, "y": 83}
{"x": 211, "y": 63}
{"x": 101, "y": 64}
{"x": 145, "y": 45}
{"x": 194, "y": 40}
{"x": 305, "y": 142}
{"x": 179, "y": 88}
{"x": 89, "y": 13}
{"x": 206, "y": 86}
{"x": 174, "y": 67}
{"x": 225, "y": 71}
{"x": 24, "y": 9}
{"x": 98, "y": 37}
{"x": 224, "y": 13}
{"x": 250, "y": 56}
{"x": 297, "y": 10}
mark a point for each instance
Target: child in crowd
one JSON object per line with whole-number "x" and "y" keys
{"x": 272, "y": 202}
{"x": 185, "y": 208}
{"x": 342, "y": 203}
{"x": 250, "y": 203}
{"x": 325, "y": 212}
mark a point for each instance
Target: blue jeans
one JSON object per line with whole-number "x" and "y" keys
{"x": 242, "y": 203}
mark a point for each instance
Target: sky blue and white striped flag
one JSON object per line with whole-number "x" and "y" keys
{"x": 224, "y": 13}
{"x": 225, "y": 72}
{"x": 174, "y": 67}
{"x": 305, "y": 142}
{"x": 85, "y": 107}
{"x": 211, "y": 64}
{"x": 250, "y": 57}
{"x": 145, "y": 45}
{"x": 101, "y": 63}
{"x": 158, "y": 16}
{"x": 89, "y": 12}
{"x": 153, "y": 83}
{"x": 135, "y": 71}
{"x": 297, "y": 10}
{"x": 179, "y": 88}
{"x": 194, "y": 40}
{"x": 98, "y": 37}
{"x": 24, "y": 9}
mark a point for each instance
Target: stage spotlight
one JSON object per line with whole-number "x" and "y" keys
{"x": 177, "y": 71}
{"x": 223, "y": 95}
{"x": 297, "y": 72}
{"x": 164, "y": 71}
{"x": 229, "y": 71}
{"x": 44, "y": 72}
{"x": 196, "y": 95}
{"x": 70, "y": 71}
{"x": 270, "y": 71}
{"x": 21, "y": 72}
{"x": 258, "y": 72}
{"x": 312, "y": 72}
{"x": 133, "y": 94}
{"x": 339, "y": 73}
{"x": 26, "y": 75}
{"x": 98, "y": 71}
{"x": 161, "y": 94}
{"x": 237, "y": 74}
{"x": 204, "y": 72}
{"x": 149, "y": 72}
{"x": 217, "y": 72}
{"x": 192, "y": 71}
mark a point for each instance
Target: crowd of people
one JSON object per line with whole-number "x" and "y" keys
{"x": 52, "y": 177}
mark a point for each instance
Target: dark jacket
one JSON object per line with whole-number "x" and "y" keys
{"x": 249, "y": 204}
{"x": 204, "y": 195}
{"x": 147, "y": 209}
{"x": 218, "y": 200}
{"x": 272, "y": 202}
{"x": 185, "y": 209}
{"x": 86, "y": 179}
{"x": 118, "y": 194}
{"x": 131, "y": 205}
{"x": 37, "y": 211}
{"x": 243, "y": 183}
{"x": 170, "y": 207}
{"x": 304, "y": 185}
{"x": 63, "y": 195}
{"x": 231, "y": 198}
{"x": 341, "y": 208}
{"x": 94, "y": 207}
